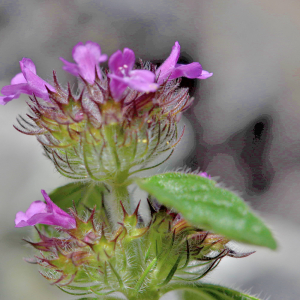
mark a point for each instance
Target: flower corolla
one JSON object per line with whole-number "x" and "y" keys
{"x": 87, "y": 58}
{"x": 26, "y": 82}
{"x": 44, "y": 213}
{"x": 170, "y": 70}
{"x": 122, "y": 76}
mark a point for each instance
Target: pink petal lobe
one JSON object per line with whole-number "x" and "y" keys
{"x": 95, "y": 51}
{"x": 16, "y": 89}
{"x": 28, "y": 64}
{"x": 142, "y": 80}
{"x": 5, "y": 99}
{"x": 128, "y": 58}
{"x": 192, "y": 70}
{"x": 51, "y": 206}
{"x": 142, "y": 86}
{"x": 37, "y": 84}
{"x": 143, "y": 75}
{"x": 205, "y": 75}
{"x": 169, "y": 64}
{"x": 70, "y": 67}
{"x": 115, "y": 61}
{"x": 117, "y": 86}
{"x": 35, "y": 207}
{"x": 20, "y": 216}
{"x": 45, "y": 213}
{"x": 19, "y": 78}
{"x": 87, "y": 57}
{"x": 13, "y": 91}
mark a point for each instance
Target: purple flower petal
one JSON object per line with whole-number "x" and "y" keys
{"x": 70, "y": 67}
{"x": 122, "y": 76}
{"x": 122, "y": 63}
{"x": 87, "y": 58}
{"x": 95, "y": 51}
{"x": 26, "y": 82}
{"x": 37, "y": 85}
{"x": 117, "y": 86}
{"x": 170, "y": 70}
{"x": 169, "y": 64}
{"x": 115, "y": 61}
{"x": 41, "y": 213}
{"x": 142, "y": 80}
{"x": 35, "y": 207}
{"x": 128, "y": 59}
{"x": 16, "y": 89}
{"x": 5, "y": 99}
{"x": 139, "y": 80}
{"x": 205, "y": 75}
{"x": 192, "y": 70}
{"x": 27, "y": 63}
{"x": 19, "y": 78}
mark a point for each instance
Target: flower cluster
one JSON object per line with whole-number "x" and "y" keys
{"x": 92, "y": 258}
{"x": 122, "y": 73}
{"x": 120, "y": 119}
{"x": 44, "y": 213}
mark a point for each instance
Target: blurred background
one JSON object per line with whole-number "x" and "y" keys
{"x": 243, "y": 126}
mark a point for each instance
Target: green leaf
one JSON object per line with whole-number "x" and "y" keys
{"x": 102, "y": 298}
{"x": 83, "y": 195}
{"x": 206, "y": 205}
{"x": 203, "y": 291}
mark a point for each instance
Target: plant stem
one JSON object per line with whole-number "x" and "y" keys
{"x": 110, "y": 132}
{"x": 112, "y": 203}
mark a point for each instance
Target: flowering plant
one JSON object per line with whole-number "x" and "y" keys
{"x": 91, "y": 240}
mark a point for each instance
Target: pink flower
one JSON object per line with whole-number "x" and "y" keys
{"x": 44, "y": 213}
{"x": 204, "y": 174}
{"x": 122, "y": 76}
{"x": 170, "y": 70}
{"x": 26, "y": 82}
{"x": 87, "y": 59}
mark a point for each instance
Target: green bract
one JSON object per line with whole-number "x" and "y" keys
{"x": 81, "y": 194}
{"x": 206, "y": 205}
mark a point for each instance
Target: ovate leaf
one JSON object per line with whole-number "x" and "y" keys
{"x": 83, "y": 194}
{"x": 206, "y": 205}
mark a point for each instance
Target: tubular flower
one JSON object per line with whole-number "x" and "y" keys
{"x": 87, "y": 59}
{"x": 120, "y": 119}
{"x": 122, "y": 75}
{"x": 26, "y": 82}
{"x": 92, "y": 259}
{"x": 170, "y": 70}
{"x": 44, "y": 213}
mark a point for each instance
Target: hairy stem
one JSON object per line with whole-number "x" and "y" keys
{"x": 118, "y": 193}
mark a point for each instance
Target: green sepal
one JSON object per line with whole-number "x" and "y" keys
{"x": 206, "y": 205}
{"x": 82, "y": 194}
